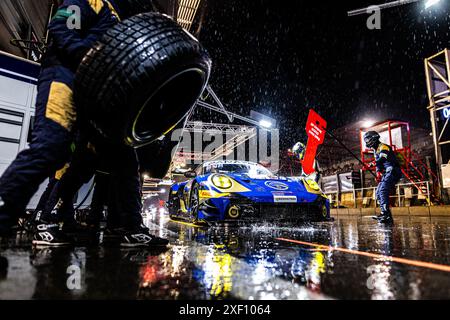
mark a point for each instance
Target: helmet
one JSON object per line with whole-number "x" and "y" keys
{"x": 299, "y": 149}
{"x": 371, "y": 138}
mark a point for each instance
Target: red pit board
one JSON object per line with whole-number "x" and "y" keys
{"x": 315, "y": 128}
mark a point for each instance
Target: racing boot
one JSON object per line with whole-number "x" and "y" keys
{"x": 385, "y": 217}
{"x": 30, "y": 224}
{"x": 377, "y": 217}
{"x": 142, "y": 238}
{"x": 50, "y": 235}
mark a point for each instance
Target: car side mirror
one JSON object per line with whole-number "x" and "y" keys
{"x": 190, "y": 174}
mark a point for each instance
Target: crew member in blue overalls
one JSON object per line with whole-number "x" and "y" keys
{"x": 56, "y": 115}
{"x": 56, "y": 119}
{"x": 388, "y": 173}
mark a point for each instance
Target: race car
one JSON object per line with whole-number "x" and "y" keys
{"x": 241, "y": 190}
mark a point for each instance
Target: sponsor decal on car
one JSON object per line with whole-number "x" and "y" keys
{"x": 277, "y": 185}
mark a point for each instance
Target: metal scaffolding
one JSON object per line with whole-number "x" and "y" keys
{"x": 187, "y": 10}
{"x": 437, "y": 70}
{"x": 236, "y": 135}
{"x": 23, "y": 24}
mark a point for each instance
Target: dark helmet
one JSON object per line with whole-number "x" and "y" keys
{"x": 372, "y": 139}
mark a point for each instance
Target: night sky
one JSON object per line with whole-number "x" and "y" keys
{"x": 283, "y": 57}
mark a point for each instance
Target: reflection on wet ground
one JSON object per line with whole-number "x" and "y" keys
{"x": 242, "y": 262}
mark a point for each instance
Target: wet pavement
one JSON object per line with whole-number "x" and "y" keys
{"x": 244, "y": 262}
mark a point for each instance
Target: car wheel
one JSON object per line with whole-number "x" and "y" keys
{"x": 141, "y": 79}
{"x": 129, "y": 8}
{"x": 173, "y": 204}
{"x": 194, "y": 202}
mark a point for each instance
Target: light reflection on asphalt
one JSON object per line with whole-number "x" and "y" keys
{"x": 242, "y": 262}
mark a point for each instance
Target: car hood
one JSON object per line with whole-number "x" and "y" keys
{"x": 273, "y": 184}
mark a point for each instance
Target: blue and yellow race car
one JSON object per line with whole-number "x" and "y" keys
{"x": 240, "y": 190}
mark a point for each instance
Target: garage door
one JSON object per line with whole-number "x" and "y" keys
{"x": 11, "y": 123}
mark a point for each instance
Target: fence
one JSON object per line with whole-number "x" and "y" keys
{"x": 406, "y": 194}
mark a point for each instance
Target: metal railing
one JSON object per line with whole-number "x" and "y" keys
{"x": 370, "y": 201}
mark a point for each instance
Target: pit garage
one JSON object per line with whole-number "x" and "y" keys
{"x": 246, "y": 216}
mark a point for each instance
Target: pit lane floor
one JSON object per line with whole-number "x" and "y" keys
{"x": 351, "y": 258}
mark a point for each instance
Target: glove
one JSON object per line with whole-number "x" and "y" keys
{"x": 379, "y": 176}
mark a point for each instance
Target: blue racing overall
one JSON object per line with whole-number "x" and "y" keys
{"x": 387, "y": 164}
{"x": 55, "y": 115}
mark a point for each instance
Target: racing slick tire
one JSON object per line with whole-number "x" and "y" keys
{"x": 140, "y": 79}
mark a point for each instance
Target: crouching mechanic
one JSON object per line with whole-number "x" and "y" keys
{"x": 388, "y": 173}
{"x": 122, "y": 166}
{"x": 55, "y": 115}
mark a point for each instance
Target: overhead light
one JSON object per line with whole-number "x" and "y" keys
{"x": 265, "y": 124}
{"x": 368, "y": 123}
{"x": 392, "y": 4}
{"x": 430, "y": 3}
{"x": 262, "y": 120}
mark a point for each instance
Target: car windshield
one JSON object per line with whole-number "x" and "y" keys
{"x": 252, "y": 170}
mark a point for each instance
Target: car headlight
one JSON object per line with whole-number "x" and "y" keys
{"x": 222, "y": 182}
{"x": 313, "y": 185}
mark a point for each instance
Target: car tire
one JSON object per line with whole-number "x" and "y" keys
{"x": 194, "y": 194}
{"x": 140, "y": 79}
{"x": 129, "y": 8}
{"x": 173, "y": 204}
